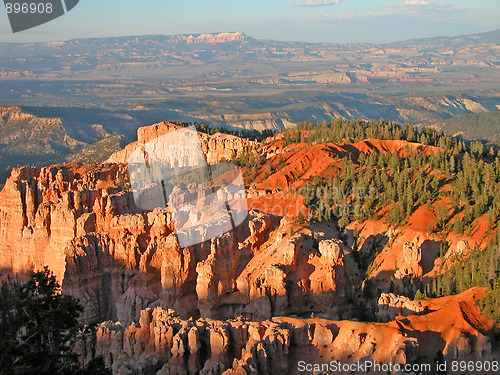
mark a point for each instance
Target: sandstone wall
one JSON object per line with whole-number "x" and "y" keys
{"x": 162, "y": 343}
{"x": 216, "y": 147}
{"x": 118, "y": 260}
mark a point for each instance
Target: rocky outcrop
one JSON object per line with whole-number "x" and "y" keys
{"x": 391, "y": 306}
{"x": 119, "y": 260}
{"x": 216, "y": 147}
{"x": 275, "y": 121}
{"x": 410, "y": 263}
{"x": 162, "y": 343}
{"x": 210, "y": 38}
{"x": 217, "y": 307}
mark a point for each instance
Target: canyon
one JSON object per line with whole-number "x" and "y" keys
{"x": 255, "y": 300}
{"x": 163, "y": 343}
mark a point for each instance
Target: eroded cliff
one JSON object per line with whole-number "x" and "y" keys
{"x": 162, "y": 343}
{"x": 256, "y": 299}
{"x": 119, "y": 259}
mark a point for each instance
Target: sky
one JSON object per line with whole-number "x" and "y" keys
{"x": 374, "y": 21}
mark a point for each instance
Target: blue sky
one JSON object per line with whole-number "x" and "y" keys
{"x": 295, "y": 20}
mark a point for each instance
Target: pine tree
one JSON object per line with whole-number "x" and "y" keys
{"x": 42, "y": 329}
{"x": 419, "y": 295}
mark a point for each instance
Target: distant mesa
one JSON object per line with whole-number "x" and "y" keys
{"x": 224, "y": 37}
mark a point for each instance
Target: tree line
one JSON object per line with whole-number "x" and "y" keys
{"x": 466, "y": 174}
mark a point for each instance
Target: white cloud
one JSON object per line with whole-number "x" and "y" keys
{"x": 417, "y": 2}
{"x": 415, "y": 8}
{"x": 315, "y": 3}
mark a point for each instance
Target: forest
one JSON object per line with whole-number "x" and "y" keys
{"x": 461, "y": 180}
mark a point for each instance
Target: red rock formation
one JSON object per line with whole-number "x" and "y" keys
{"x": 119, "y": 260}
{"x": 410, "y": 251}
{"x": 390, "y": 306}
{"x": 162, "y": 343}
{"x": 126, "y": 264}
{"x": 216, "y": 147}
{"x": 302, "y": 162}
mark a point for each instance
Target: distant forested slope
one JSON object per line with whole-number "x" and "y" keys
{"x": 474, "y": 126}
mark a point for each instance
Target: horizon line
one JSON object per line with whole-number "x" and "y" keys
{"x": 248, "y": 36}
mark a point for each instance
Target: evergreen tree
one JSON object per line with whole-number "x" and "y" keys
{"x": 40, "y": 328}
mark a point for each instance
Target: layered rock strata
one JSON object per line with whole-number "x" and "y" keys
{"x": 216, "y": 147}
{"x": 118, "y": 259}
{"x": 162, "y": 343}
